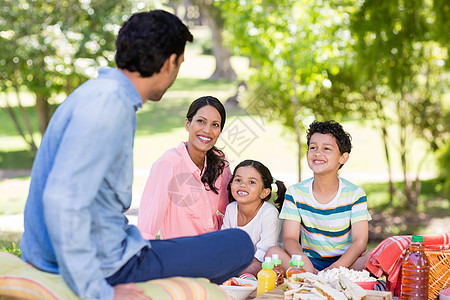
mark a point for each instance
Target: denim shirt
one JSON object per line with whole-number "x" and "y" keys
{"x": 81, "y": 185}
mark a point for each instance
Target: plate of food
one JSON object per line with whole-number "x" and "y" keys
{"x": 239, "y": 288}
{"x": 361, "y": 278}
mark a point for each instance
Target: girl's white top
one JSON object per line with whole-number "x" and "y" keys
{"x": 264, "y": 229}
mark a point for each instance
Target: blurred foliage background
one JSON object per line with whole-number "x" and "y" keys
{"x": 382, "y": 64}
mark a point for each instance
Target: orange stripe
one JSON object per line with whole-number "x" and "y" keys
{"x": 24, "y": 288}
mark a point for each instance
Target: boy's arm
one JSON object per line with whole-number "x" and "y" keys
{"x": 360, "y": 235}
{"x": 291, "y": 243}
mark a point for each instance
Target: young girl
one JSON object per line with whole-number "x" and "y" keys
{"x": 249, "y": 189}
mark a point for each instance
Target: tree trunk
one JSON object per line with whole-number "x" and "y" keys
{"x": 43, "y": 112}
{"x": 384, "y": 136}
{"x": 299, "y": 147}
{"x": 411, "y": 202}
{"x": 26, "y": 120}
{"x": 12, "y": 114}
{"x": 222, "y": 55}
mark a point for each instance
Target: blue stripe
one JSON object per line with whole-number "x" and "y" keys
{"x": 324, "y": 232}
{"x": 312, "y": 209}
{"x": 289, "y": 198}
{"x": 361, "y": 200}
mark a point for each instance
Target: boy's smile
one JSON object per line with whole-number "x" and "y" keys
{"x": 324, "y": 155}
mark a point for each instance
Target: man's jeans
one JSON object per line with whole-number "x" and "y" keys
{"x": 217, "y": 256}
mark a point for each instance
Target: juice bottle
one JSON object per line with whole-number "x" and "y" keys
{"x": 266, "y": 277}
{"x": 296, "y": 266}
{"x": 415, "y": 271}
{"x": 278, "y": 269}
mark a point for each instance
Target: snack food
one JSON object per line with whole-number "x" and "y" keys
{"x": 353, "y": 275}
{"x": 234, "y": 282}
{"x": 310, "y": 286}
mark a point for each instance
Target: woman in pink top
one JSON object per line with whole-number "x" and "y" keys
{"x": 188, "y": 184}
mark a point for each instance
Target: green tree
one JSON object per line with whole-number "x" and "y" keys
{"x": 49, "y": 47}
{"x": 296, "y": 50}
{"x": 213, "y": 13}
{"x": 399, "y": 70}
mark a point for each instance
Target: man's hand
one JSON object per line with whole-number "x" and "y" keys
{"x": 129, "y": 291}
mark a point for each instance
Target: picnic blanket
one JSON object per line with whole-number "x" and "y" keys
{"x": 387, "y": 257}
{"x": 19, "y": 280}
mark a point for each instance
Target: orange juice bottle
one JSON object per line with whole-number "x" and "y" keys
{"x": 278, "y": 269}
{"x": 296, "y": 266}
{"x": 266, "y": 277}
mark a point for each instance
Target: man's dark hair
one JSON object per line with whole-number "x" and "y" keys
{"x": 148, "y": 39}
{"x": 343, "y": 139}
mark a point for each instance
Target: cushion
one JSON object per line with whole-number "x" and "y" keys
{"x": 22, "y": 281}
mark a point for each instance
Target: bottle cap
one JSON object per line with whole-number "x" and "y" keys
{"x": 296, "y": 261}
{"x": 267, "y": 264}
{"x": 276, "y": 259}
{"x": 296, "y": 257}
{"x": 417, "y": 238}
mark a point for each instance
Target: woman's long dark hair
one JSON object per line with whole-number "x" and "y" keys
{"x": 215, "y": 159}
{"x": 267, "y": 182}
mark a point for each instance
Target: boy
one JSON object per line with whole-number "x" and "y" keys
{"x": 328, "y": 213}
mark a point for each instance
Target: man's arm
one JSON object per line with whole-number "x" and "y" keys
{"x": 88, "y": 147}
{"x": 291, "y": 243}
{"x": 360, "y": 235}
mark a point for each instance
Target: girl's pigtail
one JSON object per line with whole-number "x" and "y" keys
{"x": 281, "y": 190}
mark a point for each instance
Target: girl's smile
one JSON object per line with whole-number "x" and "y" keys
{"x": 247, "y": 186}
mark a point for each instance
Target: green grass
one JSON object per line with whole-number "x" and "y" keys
{"x": 430, "y": 201}
{"x": 9, "y": 242}
{"x": 18, "y": 159}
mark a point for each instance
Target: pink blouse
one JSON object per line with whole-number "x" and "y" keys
{"x": 176, "y": 203}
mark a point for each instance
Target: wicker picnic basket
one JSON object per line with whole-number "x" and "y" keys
{"x": 439, "y": 271}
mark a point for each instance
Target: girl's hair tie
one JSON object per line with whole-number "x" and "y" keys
{"x": 274, "y": 180}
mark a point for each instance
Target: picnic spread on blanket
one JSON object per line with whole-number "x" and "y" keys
{"x": 385, "y": 262}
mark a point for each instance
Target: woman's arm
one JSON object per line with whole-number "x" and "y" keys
{"x": 155, "y": 199}
{"x": 223, "y": 201}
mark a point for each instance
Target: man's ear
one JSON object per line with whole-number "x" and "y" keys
{"x": 170, "y": 63}
{"x": 344, "y": 157}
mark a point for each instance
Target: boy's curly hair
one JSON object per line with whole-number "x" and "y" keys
{"x": 343, "y": 139}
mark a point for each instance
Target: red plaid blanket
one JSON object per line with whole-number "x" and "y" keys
{"x": 387, "y": 257}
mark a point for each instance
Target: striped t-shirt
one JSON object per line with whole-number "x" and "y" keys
{"x": 325, "y": 230}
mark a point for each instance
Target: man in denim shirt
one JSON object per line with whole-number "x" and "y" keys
{"x": 83, "y": 172}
